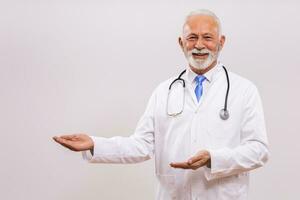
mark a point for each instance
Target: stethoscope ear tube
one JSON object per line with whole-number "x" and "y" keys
{"x": 170, "y": 87}
{"x": 178, "y": 79}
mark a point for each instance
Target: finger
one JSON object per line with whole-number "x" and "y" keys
{"x": 199, "y": 163}
{"x": 65, "y": 143}
{"x": 182, "y": 165}
{"x": 56, "y": 139}
{"x": 194, "y": 159}
{"x": 68, "y": 137}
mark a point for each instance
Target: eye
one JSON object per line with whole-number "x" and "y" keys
{"x": 207, "y": 37}
{"x": 192, "y": 38}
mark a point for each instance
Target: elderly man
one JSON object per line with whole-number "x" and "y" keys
{"x": 200, "y": 152}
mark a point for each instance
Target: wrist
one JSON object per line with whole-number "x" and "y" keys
{"x": 208, "y": 163}
{"x": 91, "y": 146}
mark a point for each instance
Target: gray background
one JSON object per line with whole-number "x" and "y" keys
{"x": 90, "y": 66}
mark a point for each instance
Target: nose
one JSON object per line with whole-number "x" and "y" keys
{"x": 199, "y": 45}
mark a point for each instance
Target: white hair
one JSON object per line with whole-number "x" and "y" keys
{"x": 205, "y": 13}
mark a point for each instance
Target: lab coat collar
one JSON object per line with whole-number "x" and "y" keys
{"x": 190, "y": 75}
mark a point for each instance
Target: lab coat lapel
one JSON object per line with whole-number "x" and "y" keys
{"x": 190, "y": 91}
{"x": 192, "y": 95}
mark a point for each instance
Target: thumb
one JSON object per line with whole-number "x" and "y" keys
{"x": 193, "y": 160}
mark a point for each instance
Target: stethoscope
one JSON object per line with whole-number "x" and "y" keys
{"x": 224, "y": 114}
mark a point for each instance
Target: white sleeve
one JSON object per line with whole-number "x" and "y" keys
{"x": 253, "y": 150}
{"x": 136, "y": 148}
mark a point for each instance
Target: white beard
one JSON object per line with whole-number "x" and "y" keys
{"x": 201, "y": 63}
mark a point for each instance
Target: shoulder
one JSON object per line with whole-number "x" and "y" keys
{"x": 164, "y": 85}
{"x": 241, "y": 83}
{"x": 243, "y": 87}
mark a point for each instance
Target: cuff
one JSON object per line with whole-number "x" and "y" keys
{"x": 218, "y": 160}
{"x": 87, "y": 155}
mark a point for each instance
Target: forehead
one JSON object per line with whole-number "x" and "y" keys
{"x": 200, "y": 24}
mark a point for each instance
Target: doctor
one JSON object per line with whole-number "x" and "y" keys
{"x": 200, "y": 152}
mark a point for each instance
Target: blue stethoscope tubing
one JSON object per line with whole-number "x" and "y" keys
{"x": 224, "y": 113}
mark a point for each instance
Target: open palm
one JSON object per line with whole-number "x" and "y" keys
{"x": 75, "y": 142}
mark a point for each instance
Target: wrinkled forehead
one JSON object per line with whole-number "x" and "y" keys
{"x": 200, "y": 24}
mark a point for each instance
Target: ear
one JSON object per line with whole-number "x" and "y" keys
{"x": 222, "y": 41}
{"x": 180, "y": 42}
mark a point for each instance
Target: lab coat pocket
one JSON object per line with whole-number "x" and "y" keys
{"x": 167, "y": 186}
{"x": 231, "y": 187}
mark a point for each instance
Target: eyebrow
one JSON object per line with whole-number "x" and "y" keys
{"x": 192, "y": 34}
{"x": 208, "y": 34}
{"x": 204, "y": 34}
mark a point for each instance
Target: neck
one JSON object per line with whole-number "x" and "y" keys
{"x": 203, "y": 71}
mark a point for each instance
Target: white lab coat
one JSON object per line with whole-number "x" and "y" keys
{"x": 236, "y": 145}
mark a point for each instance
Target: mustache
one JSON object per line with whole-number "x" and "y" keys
{"x": 201, "y": 51}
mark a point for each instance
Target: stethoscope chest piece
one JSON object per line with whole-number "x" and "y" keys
{"x": 224, "y": 114}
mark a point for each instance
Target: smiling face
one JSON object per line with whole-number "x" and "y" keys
{"x": 201, "y": 42}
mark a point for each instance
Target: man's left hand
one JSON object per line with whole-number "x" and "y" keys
{"x": 201, "y": 159}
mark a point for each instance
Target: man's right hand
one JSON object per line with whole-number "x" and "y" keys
{"x": 75, "y": 142}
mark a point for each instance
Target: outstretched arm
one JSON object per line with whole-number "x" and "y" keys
{"x": 136, "y": 148}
